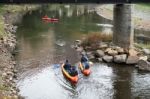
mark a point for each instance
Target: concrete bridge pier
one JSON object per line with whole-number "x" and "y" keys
{"x": 123, "y": 31}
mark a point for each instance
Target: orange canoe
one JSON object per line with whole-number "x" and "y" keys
{"x": 46, "y": 18}
{"x": 86, "y": 72}
{"x": 72, "y": 79}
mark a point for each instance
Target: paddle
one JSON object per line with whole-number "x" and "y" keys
{"x": 91, "y": 63}
{"x": 56, "y": 66}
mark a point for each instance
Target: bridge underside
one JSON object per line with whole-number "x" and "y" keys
{"x": 75, "y": 1}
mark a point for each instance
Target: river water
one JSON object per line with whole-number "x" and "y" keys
{"x": 43, "y": 46}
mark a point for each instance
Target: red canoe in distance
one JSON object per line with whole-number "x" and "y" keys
{"x": 47, "y": 19}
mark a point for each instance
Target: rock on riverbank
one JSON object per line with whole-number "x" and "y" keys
{"x": 7, "y": 65}
{"x": 111, "y": 53}
{"x": 13, "y": 15}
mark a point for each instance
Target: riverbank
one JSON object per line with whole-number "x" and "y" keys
{"x": 140, "y": 15}
{"x": 8, "y": 72}
{"x": 10, "y": 15}
{"x": 98, "y": 49}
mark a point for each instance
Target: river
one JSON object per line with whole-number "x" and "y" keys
{"x": 43, "y": 46}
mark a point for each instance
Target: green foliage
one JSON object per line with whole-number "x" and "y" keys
{"x": 146, "y": 4}
{"x": 12, "y": 9}
{"x": 17, "y": 8}
{"x": 142, "y": 7}
{"x": 143, "y": 46}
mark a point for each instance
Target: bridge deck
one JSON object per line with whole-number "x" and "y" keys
{"x": 75, "y": 1}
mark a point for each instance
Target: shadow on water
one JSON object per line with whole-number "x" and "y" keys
{"x": 43, "y": 45}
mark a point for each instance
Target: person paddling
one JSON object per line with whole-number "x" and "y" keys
{"x": 74, "y": 71}
{"x": 67, "y": 66}
{"x": 84, "y": 61}
{"x": 71, "y": 69}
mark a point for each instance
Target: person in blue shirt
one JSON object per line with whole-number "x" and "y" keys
{"x": 67, "y": 66}
{"x": 71, "y": 69}
{"x": 84, "y": 58}
{"x": 74, "y": 71}
{"x": 84, "y": 61}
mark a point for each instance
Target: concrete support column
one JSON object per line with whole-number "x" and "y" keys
{"x": 123, "y": 31}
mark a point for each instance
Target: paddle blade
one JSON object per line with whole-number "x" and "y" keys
{"x": 91, "y": 63}
{"x": 56, "y": 65}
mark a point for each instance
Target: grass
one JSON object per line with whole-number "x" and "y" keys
{"x": 146, "y": 4}
{"x": 93, "y": 39}
{"x": 143, "y": 46}
{"x": 12, "y": 9}
{"x": 17, "y": 8}
{"x": 142, "y": 7}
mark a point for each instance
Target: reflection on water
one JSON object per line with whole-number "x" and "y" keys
{"x": 43, "y": 45}
{"x": 141, "y": 85}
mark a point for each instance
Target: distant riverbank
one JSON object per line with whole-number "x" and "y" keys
{"x": 141, "y": 15}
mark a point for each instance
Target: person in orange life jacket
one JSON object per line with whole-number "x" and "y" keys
{"x": 84, "y": 61}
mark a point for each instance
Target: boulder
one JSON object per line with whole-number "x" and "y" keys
{"x": 107, "y": 58}
{"x": 146, "y": 51}
{"x": 80, "y": 49}
{"x": 14, "y": 62}
{"x": 84, "y": 53}
{"x": 10, "y": 73}
{"x": 120, "y": 50}
{"x": 148, "y": 59}
{"x": 88, "y": 48}
{"x": 100, "y": 59}
{"x": 120, "y": 58}
{"x": 132, "y": 52}
{"x": 126, "y": 51}
{"x": 4, "y": 74}
{"x": 78, "y": 42}
{"x": 15, "y": 71}
{"x": 113, "y": 46}
{"x": 103, "y": 45}
{"x": 112, "y": 52}
{"x": 90, "y": 55}
{"x": 144, "y": 65}
{"x": 99, "y": 53}
{"x": 108, "y": 49}
{"x": 132, "y": 60}
{"x": 143, "y": 58}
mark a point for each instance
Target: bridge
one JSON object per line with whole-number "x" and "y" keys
{"x": 123, "y": 30}
{"x": 75, "y": 1}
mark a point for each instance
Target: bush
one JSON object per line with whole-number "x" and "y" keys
{"x": 93, "y": 39}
